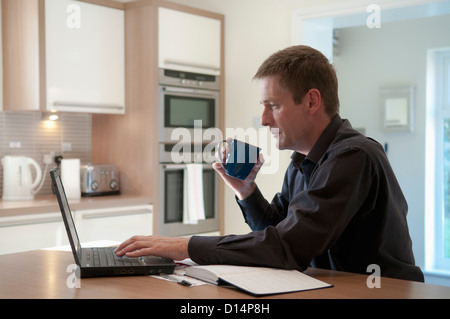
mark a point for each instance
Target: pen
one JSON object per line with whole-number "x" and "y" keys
{"x": 182, "y": 282}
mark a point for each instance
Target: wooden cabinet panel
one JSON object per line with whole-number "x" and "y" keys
{"x": 21, "y": 55}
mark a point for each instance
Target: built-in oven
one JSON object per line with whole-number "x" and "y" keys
{"x": 172, "y": 197}
{"x": 188, "y": 134}
{"x": 188, "y": 104}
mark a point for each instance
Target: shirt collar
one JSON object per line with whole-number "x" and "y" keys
{"x": 321, "y": 145}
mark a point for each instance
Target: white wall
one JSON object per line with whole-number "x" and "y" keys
{"x": 395, "y": 54}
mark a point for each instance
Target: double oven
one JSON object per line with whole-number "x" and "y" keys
{"x": 188, "y": 118}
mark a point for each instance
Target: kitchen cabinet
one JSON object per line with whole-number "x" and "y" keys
{"x": 63, "y": 55}
{"x": 85, "y": 57}
{"x": 45, "y": 230}
{"x": 1, "y": 64}
{"x": 29, "y": 232}
{"x": 188, "y": 42}
{"x": 116, "y": 224}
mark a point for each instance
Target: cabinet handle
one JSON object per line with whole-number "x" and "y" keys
{"x": 183, "y": 166}
{"x": 30, "y": 220}
{"x": 81, "y": 104}
{"x": 203, "y": 93}
{"x": 114, "y": 214}
{"x": 194, "y": 65}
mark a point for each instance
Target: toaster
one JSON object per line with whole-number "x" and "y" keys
{"x": 99, "y": 179}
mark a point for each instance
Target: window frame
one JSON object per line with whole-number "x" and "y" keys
{"x": 438, "y": 100}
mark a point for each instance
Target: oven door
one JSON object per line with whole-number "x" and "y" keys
{"x": 171, "y": 201}
{"x": 186, "y": 108}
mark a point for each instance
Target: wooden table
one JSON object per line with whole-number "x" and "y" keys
{"x": 43, "y": 274}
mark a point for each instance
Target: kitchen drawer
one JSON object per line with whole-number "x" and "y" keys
{"x": 115, "y": 224}
{"x": 30, "y": 232}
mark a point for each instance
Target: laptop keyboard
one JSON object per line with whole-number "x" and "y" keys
{"x": 105, "y": 256}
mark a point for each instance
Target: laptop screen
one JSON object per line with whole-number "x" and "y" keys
{"x": 67, "y": 215}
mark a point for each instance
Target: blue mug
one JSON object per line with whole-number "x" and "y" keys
{"x": 239, "y": 158}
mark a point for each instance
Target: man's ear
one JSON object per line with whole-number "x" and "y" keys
{"x": 315, "y": 100}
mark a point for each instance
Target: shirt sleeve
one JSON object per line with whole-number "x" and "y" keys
{"x": 315, "y": 219}
{"x": 259, "y": 214}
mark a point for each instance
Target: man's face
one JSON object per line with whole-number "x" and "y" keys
{"x": 289, "y": 122}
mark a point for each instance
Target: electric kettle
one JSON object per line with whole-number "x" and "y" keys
{"x": 17, "y": 180}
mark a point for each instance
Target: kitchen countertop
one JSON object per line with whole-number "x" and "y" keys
{"x": 49, "y": 204}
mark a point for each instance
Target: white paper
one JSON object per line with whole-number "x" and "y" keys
{"x": 258, "y": 280}
{"x": 70, "y": 177}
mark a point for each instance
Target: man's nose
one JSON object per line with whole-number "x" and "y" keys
{"x": 266, "y": 118}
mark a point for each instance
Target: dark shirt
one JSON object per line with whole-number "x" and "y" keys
{"x": 350, "y": 214}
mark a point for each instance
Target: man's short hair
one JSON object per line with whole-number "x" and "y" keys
{"x": 301, "y": 68}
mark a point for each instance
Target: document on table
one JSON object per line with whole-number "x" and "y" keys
{"x": 256, "y": 280}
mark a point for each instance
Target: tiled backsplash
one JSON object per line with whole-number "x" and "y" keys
{"x": 27, "y": 134}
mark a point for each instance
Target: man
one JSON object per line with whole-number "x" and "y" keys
{"x": 340, "y": 206}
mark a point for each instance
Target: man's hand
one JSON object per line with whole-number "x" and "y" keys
{"x": 244, "y": 188}
{"x": 175, "y": 248}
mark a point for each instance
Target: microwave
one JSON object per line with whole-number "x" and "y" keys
{"x": 188, "y": 103}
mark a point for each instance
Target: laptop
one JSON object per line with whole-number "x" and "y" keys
{"x": 102, "y": 261}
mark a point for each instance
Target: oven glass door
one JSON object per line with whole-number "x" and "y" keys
{"x": 172, "y": 201}
{"x": 173, "y": 194}
{"x": 182, "y": 111}
{"x": 186, "y": 108}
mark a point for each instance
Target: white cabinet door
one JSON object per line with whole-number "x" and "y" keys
{"x": 1, "y": 64}
{"x": 114, "y": 224}
{"x": 85, "y": 59}
{"x": 188, "y": 42}
{"x": 30, "y": 232}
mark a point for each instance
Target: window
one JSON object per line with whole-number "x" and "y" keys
{"x": 438, "y": 161}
